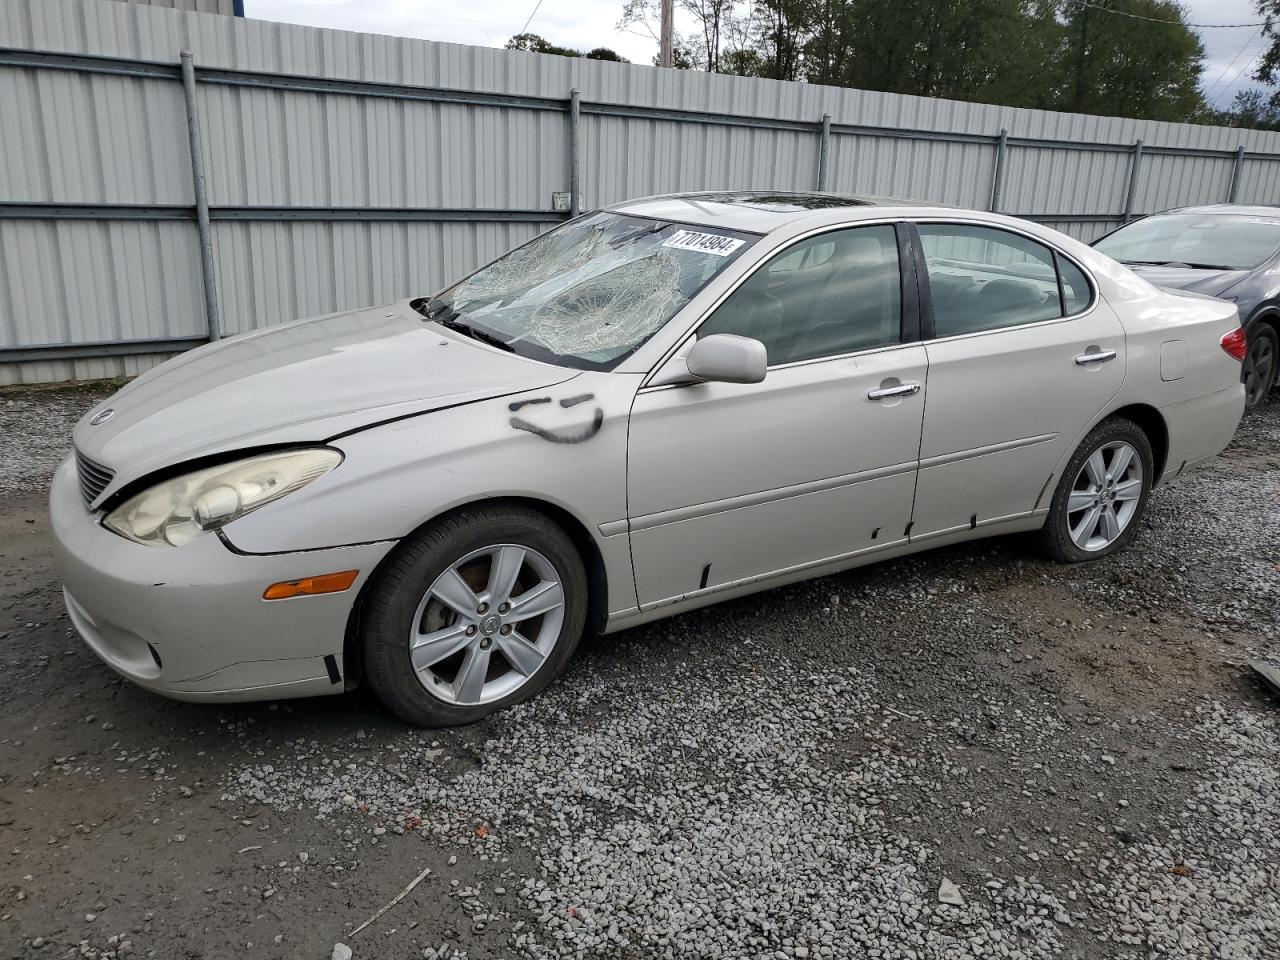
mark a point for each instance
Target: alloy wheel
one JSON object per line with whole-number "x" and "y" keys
{"x": 1259, "y": 368}
{"x": 487, "y": 624}
{"x": 1105, "y": 496}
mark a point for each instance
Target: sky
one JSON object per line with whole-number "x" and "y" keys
{"x": 593, "y": 23}
{"x": 1229, "y": 54}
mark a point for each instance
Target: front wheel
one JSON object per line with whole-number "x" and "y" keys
{"x": 1260, "y": 362}
{"x": 1102, "y": 494}
{"x": 473, "y": 614}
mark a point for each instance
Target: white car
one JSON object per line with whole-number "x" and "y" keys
{"x": 653, "y": 407}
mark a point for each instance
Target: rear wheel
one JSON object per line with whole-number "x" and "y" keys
{"x": 1102, "y": 494}
{"x": 1260, "y": 361}
{"x": 473, "y": 614}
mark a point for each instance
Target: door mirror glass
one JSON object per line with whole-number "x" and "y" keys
{"x": 728, "y": 358}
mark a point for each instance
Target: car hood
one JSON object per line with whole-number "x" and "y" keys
{"x": 302, "y": 382}
{"x": 1209, "y": 282}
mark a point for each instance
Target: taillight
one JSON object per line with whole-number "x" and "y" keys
{"x": 1235, "y": 343}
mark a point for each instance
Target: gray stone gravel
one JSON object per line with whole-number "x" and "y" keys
{"x": 35, "y": 432}
{"x": 1225, "y": 898}
{"x": 754, "y": 812}
{"x": 710, "y": 814}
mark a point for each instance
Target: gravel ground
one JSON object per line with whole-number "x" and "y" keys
{"x": 35, "y": 431}
{"x": 966, "y": 753}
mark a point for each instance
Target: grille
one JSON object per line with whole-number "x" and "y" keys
{"x": 93, "y": 478}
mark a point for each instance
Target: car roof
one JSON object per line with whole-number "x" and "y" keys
{"x": 758, "y": 211}
{"x": 1239, "y": 209}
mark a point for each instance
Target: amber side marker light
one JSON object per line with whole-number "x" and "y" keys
{"x": 310, "y": 586}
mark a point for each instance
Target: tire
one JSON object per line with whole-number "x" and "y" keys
{"x": 476, "y": 547}
{"x": 1067, "y": 536}
{"x": 1260, "y": 364}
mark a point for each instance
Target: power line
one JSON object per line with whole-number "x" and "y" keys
{"x": 536, "y": 7}
{"x": 1180, "y": 23}
{"x": 1249, "y": 63}
{"x": 1227, "y": 68}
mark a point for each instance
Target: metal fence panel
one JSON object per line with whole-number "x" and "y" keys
{"x": 81, "y": 138}
{"x": 274, "y": 272}
{"x": 954, "y": 173}
{"x": 625, "y": 157}
{"x": 1082, "y": 230}
{"x": 1176, "y": 181}
{"x": 225, "y": 7}
{"x": 1260, "y": 181}
{"x": 276, "y": 148}
{"x": 1063, "y": 181}
{"x": 344, "y": 169}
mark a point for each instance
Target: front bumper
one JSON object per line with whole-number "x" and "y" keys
{"x": 190, "y": 622}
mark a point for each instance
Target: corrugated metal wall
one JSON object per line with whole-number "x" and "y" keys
{"x": 226, "y": 7}
{"x": 346, "y": 169}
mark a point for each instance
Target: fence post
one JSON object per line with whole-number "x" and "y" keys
{"x": 202, "y": 200}
{"x": 997, "y": 177}
{"x": 1135, "y": 164}
{"x": 575, "y": 190}
{"x": 824, "y": 151}
{"x": 1237, "y": 172}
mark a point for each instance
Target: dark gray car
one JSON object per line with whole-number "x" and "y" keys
{"x": 1225, "y": 250}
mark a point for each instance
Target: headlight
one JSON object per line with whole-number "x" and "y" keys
{"x": 179, "y": 510}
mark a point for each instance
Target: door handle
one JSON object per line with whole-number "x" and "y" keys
{"x": 1098, "y": 356}
{"x": 885, "y": 393}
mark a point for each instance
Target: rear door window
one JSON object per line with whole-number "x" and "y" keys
{"x": 984, "y": 278}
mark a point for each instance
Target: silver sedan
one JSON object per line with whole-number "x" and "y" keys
{"x": 656, "y": 406}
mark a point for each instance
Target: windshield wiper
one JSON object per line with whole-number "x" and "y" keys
{"x": 1177, "y": 263}
{"x": 475, "y": 333}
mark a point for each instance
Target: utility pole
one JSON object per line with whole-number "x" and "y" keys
{"x": 664, "y": 47}
{"x": 1078, "y": 99}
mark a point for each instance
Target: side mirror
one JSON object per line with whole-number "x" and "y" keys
{"x": 728, "y": 358}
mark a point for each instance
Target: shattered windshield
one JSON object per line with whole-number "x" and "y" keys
{"x": 590, "y": 292}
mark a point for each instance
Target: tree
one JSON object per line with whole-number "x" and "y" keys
{"x": 1000, "y": 51}
{"x": 784, "y": 27}
{"x": 533, "y": 43}
{"x": 604, "y": 53}
{"x": 1253, "y": 109}
{"x": 1268, "y": 68}
{"x": 1140, "y": 68}
{"x": 722, "y": 38}
{"x": 1048, "y": 54}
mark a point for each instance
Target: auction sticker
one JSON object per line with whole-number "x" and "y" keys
{"x": 712, "y": 243}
